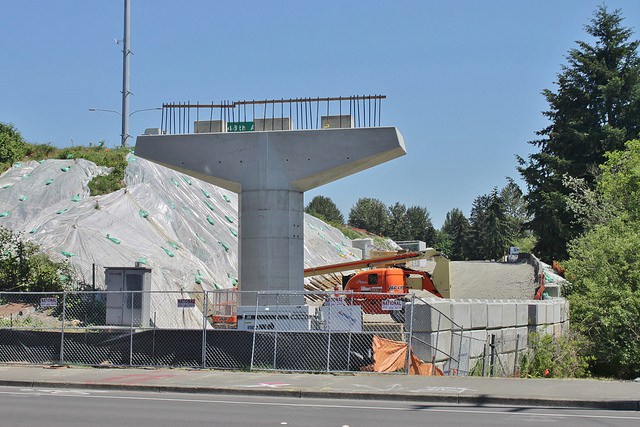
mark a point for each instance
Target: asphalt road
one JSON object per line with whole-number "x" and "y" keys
{"x": 68, "y": 408}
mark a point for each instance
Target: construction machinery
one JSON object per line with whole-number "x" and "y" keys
{"x": 371, "y": 288}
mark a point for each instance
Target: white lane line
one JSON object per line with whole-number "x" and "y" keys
{"x": 327, "y": 406}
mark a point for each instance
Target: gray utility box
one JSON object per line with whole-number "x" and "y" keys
{"x": 128, "y": 295}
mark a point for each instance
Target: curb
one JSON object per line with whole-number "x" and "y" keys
{"x": 481, "y": 400}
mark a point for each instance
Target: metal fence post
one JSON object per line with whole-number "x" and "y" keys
{"x": 515, "y": 360}
{"x": 410, "y": 337}
{"x": 329, "y": 338}
{"x": 493, "y": 354}
{"x": 205, "y": 313}
{"x": 131, "y": 295}
{"x": 64, "y": 308}
{"x": 253, "y": 343}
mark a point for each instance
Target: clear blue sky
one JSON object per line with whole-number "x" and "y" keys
{"x": 463, "y": 78}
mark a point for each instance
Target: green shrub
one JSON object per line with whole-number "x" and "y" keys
{"x": 555, "y": 357}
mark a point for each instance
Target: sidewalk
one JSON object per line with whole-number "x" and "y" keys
{"x": 624, "y": 395}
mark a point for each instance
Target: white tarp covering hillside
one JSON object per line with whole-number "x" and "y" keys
{"x": 184, "y": 229}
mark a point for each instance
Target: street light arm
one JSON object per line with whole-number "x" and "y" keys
{"x": 144, "y": 109}
{"x": 107, "y": 111}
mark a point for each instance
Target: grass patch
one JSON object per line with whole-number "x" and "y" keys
{"x": 114, "y": 158}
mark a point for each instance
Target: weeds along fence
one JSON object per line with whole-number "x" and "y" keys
{"x": 296, "y": 331}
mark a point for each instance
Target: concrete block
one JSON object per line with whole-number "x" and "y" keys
{"x": 537, "y": 313}
{"x": 478, "y": 340}
{"x": 549, "y": 308}
{"x": 461, "y": 313}
{"x": 557, "y": 310}
{"x": 564, "y": 310}
{"x": 494, "y": 314}
{"x": 522, "y": 335}
{"x": 209, "y": 126}
{"x": 433, "y": 315}
{"x": 508, "y": 340}
{"x": 478, "y": 314}
{"x": 522, "y": 313}
{"x": 565, "y": 327}
{"x": 549, "y": 329}
{"x": 509, "y": 314}
{"x": 330, "y": 122}
{"x": 275, "y": 123}
{"x": 557, "y": 329}
{"x": 430, "y": 346}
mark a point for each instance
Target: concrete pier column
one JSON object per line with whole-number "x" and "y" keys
{"x": 271, "y": 244}
{"x": 270, "y": 171}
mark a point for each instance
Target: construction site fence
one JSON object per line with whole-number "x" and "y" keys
{"x": 228, "y": 329}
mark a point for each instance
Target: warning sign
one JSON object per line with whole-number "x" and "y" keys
{"x": 392, "y": 305}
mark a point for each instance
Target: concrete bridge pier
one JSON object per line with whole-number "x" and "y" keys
{"x": 271, "y": 170}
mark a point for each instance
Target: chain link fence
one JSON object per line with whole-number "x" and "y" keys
{"x": 294, "y": 331}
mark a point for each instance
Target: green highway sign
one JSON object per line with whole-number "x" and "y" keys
{"x": 239, "y": 126}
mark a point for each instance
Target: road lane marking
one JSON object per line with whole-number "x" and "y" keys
{"x": 329, "y": 406}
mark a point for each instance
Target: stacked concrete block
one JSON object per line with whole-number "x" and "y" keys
{"x": 522, "y": 334}
{"x": 550, "y": 312}
{"x": 478, "y": 340}
{"x": 509, "y": 314}
{"x": 461, "y": 313}
{"x": 537, "y": 313}
{"x": 557, "y": 310}
{"x": 522, "y": 313}
{"x": 433, "y": 315}
{"x": 494, "y": 314}
{"x": 478, "y": 314}
{"x": 508, "y": 339}
{"x": 430, "y": 346}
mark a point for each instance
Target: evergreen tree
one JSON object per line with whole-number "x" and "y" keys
{"x": 399, "y": 227}
{"x": 490, "y": 230}
{"x": 421, "y": 225}
{"x": 323, "y": 207}
{"x": 455, "y": 231}
{"x": 596, "y": 108}
{"x": 369, "y": 214}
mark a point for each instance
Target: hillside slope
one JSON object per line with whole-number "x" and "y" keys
{"x": 183, "y": 228}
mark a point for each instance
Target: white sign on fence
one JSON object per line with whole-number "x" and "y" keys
{"x": 49, "y": 302}
{"x": 392, "y": 304}
{"x": 186, "y": 302}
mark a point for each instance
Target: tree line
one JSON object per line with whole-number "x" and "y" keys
{"x": 496, "y": 222}
{"x": 581, "y": 205}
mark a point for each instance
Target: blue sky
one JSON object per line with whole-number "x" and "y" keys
{"x": 462, "y": 78}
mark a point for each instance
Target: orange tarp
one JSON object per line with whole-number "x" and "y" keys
{"x": 391, "y": 356}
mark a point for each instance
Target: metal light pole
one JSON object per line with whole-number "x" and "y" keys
{"x": 125, "y": 76}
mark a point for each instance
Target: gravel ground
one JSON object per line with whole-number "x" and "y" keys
{"x": 490, "y": 280}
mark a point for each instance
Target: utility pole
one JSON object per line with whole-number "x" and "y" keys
{"x": 125, "y": 76}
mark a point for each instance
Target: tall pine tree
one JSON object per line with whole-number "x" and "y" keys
{"x": 595, "y": 109}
